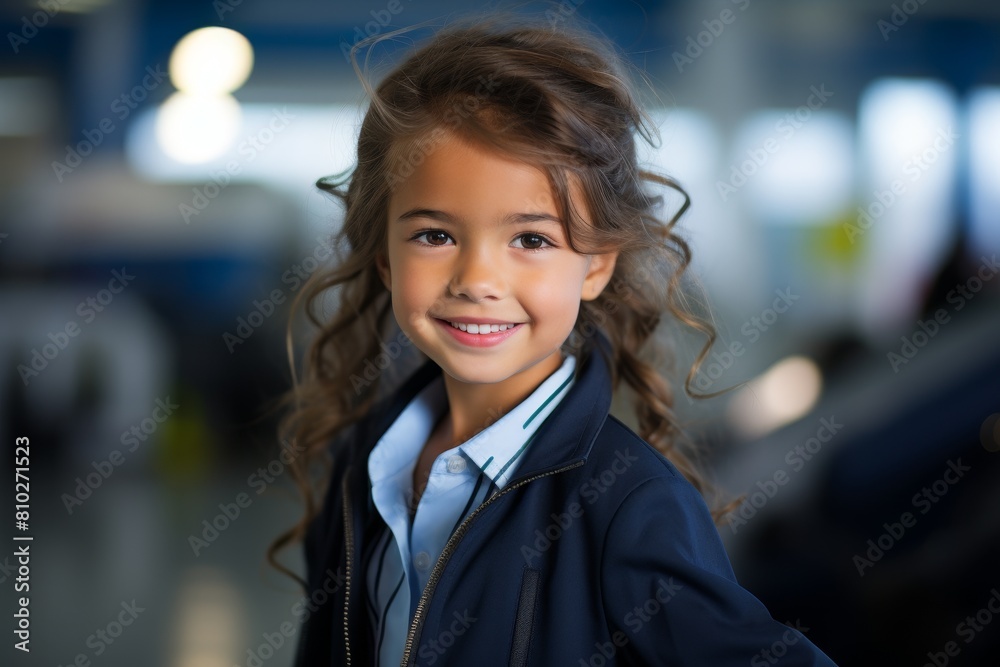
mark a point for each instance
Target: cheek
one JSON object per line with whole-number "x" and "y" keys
{"x": 412, "y": 288}
{"x": 554, "y": 298}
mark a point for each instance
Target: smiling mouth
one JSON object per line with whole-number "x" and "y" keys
{"x": 481, "y": 328}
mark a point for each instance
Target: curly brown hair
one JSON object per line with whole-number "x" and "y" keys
{"x": 556, "y": 99}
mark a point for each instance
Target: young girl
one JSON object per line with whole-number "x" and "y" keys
{"x": 487, "y": 510}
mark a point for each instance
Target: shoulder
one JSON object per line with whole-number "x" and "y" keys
{"x": 656, "y": 508}
{"x": 660, "y": 549}
{"x": 617, "y": 445}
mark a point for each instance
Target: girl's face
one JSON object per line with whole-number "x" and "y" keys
{"x": 475, "y": 236}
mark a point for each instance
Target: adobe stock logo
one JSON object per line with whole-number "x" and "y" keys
{"x": 914, "y": 168}
{"x": 900, "y": 15}
{"x": 924, "y": 500}
{"x": 796, "y": 459}
{"x": 752, "y": 329}
{"x": 958, "y": 297}
{"x": 636, "y": 619}
{"x": 714, "y": 27}
{"x": 103, "y": 469}
{"x": 968, "y": 629}
{"x": 591, "y": 491}
{"x": 757, "y": 157}
{"x": 38, "y": 20}
{"x": 88, "y": 309}
{"x": 122, "y": 106}
{"x": 381, "y": 19}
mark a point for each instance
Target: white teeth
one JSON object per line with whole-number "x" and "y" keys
{"x": 481, "y": 328}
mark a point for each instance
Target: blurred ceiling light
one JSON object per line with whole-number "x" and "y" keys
{"x": 797, "y": 165}
{"x": 984, "y": 170}
{"x": 689, "y": 145}
{"x": 910, "y": 139}
{"x": 900, "y": 118}
{"x": 211, "y": 60}
{"x": 197, "y": 128}
{"x": 319, "y": 140}
{"x": 690, "y": 151}
{"x": 782, "y": 394}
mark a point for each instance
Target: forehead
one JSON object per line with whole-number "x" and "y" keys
{"x": 449, "y": 165}
{"x": 444, "y": 170}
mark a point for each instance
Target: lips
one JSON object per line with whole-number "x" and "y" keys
{"x": 479, "y": 334}
{"x": 481, "y": 327}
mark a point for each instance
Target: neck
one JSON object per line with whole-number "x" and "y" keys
{"x": 473, "y": 407}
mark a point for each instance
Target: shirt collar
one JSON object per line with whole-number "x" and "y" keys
{"x": 570, "y": 433}
{"x": 494, "y": 450}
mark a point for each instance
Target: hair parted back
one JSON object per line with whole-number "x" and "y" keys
{"x": 559, "y": 100}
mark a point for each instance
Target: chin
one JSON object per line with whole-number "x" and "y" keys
{"x": 479, "y": 376}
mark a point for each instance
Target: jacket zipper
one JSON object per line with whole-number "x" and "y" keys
{"x": 349, "y": 535}
{"x": 452, "y": 543}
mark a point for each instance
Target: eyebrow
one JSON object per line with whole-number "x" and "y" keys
{"x": 509, "y": 219}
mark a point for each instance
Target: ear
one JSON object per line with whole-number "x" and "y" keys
{"x": 382, "y": 265}
{"x": 599, "y": 273}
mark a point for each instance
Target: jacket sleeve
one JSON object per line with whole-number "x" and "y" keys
{"x": 670, "y": 595}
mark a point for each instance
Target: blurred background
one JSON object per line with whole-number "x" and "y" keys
{"x": 158, "y": 214}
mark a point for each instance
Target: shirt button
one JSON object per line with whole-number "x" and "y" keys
{"x": 422, "y": 560}
{"x": 456, "y": 463}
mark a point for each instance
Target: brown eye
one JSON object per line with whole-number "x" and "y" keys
{"x": 533, "y": 241}
{"x": 429, "y": 234}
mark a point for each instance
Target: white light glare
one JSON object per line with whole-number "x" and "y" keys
{"x": 197, "y": 128}
{"x": 211, "y": 60}
{"x": 984, "y": 169}
{"x": 784, "y": 393}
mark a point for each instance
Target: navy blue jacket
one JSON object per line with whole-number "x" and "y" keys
{"x": 598, "y": 553}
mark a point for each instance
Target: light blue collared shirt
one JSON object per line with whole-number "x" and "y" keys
{"x": 461, "y": 478}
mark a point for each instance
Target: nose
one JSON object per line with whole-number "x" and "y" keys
{"x": 478, "y": 274}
